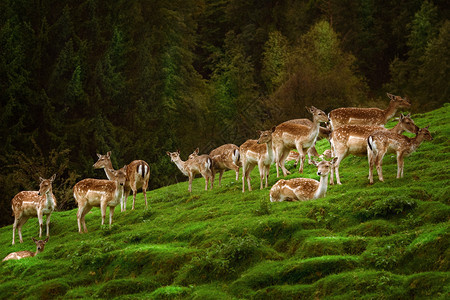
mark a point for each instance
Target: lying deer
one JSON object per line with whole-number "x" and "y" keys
{"x": 289, "y": 136}
{"x": 226, "y": 157}
{"x": 300, "y": 189}
{"x": 23, "y": 254}
{"x": 381, "y": 142}
{"x": 257, "y": 152}
{"x": 367, "y": 116}
{"x": 28, "y": 204}
{"x": 197, "y": 164}
{"x": 99, "y": 193}
{"x": 138, "y": 174}
{"x": 352, "y": 139}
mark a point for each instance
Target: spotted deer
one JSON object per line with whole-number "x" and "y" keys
{"x": 257, "y": 152}
{"x": 380, "y": 143}
{"x": 101, "y": 193}
{"x": 29, "y": 204}
{"x": 300, "y": 189}
{"x": 138, "y": 174}
{"x": 288, "y": 136}
{"x": 226, "y": 157}
{"x": 367, "y": 116}
{"x": 352, "y": 139}
{"x": 196, "y": 164}
{"x": 40, "y": 244}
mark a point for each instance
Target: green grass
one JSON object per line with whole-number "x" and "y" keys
{"x": 383, "y": 241}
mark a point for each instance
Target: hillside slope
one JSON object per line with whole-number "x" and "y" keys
{"x": 388, "y": 240}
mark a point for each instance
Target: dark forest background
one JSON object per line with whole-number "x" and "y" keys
{"x": 140, "y": 78}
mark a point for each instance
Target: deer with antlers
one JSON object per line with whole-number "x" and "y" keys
{"x": 196, "y": 164}
{"x": 367, "y": 116}
{"x": 288, "y": 136}
{"x": 352, "y": 139}
{"x": 28, "y": 204}
{"x": 101, "y": 193}
{"x": 138, "y": 174}
{"x": 300, "y": 189}
{"x": 381, "y": 142}
{"x": 257, "y": 152}
{"x": 40, "y": 244}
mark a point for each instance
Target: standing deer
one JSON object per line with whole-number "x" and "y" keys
{"x": 257, "y": 152}
{"x": 352, "y": 139}
{"x": 381, "y": 142}
{"x": 99, "y": 193}
{"x": 226, "y": 157}
{"x": 197, "y": 164}
{"x": 300, "y": 189}
{"x": 289, "y": 136}
{"x": 22, "y": 254}
{"x": 367, "y": 116}
{"x": 27, "y": 204}
{"x": 138, "y": 174}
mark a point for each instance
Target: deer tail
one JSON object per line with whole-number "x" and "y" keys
{"x": 142, "y": 169}
{"x": 371, "y": 144}
{"x": 236, "y": 156}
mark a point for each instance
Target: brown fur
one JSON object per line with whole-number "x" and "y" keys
{"x": 28, "y": 204}
{"x": 257, "y": 152}
{"x": 289, "y": 136}
{"x": 223, "y": 159}
{"x": 352, "y": 139}
{"x": 367, "y": 116}
{"x": 382, "y": 142}
{"x": 135, "y": 178}
{"x": 99, "y": 193}
{"x": 23, "y": 254}
{"x": 196, "y": 164}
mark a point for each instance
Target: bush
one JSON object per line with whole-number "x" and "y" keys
{"x": 384, "y": 208}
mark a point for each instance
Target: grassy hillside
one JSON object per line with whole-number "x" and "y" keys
{"x": 388, "y": 240}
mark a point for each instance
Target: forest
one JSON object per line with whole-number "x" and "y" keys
{"x": 140, "y": 78}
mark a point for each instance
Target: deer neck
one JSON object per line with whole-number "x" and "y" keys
{"x": 107, "y": 168}
{"x": 390, "y": 111}
{"x": 119, "y": 191}
{"x": 49, "y": 200}
{"x": 397, "y": 129}
{"x": 181, "y": 165}
{"x": 270, "y": 156}
{"x": 322, "y": 190}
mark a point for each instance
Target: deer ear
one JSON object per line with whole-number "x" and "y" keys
{"x": 53, "y": 178}
{"x": 99, "y": 155}
{"x": 168, "y": 153}
{"x": 390, "y": 96}
{"x": 108, "y": 154}
{"x": 178, "y": 151}
{"x": 273, "y": 128}
{"x": 34, "y": 240}
{"x": 46, "y": 240}
{"x": 196, "y": 151}
{"x": 333, "y": 161}
{"x": 41, "y": 179}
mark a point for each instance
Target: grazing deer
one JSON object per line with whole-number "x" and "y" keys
{"x": 27, "y": 204}
{"x": 22, "y": 254}
{"x": 257, "y": 152}
{"x": 367, "y": 116}
{"x": 289, "y": 136}
{"x": 300, "y": 189}
{"x": 196, "y": 164}
{"x": 381, "y": 142}
{"x": 226, "y": 157}
{"x": 312, "y": 152}
{"x": 99, "y": 193}
{"x": 352, "y": 139}
{"x": 138, "y": 174}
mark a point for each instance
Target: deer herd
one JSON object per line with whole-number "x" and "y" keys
{"x": 357, "y": 131}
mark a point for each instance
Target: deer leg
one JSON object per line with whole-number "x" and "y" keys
{"x": 41, "y": 221}
{"x": 103, "y": 211}
{"x": 400, "y": 163}
{"x": 336, "y": 166}
{"x": 48, "y": 224}
{"x": 190, "y": 183}
{"x": 379, "y": 165}
{"x": 220, "y": 177}
{"x": 282, "y": 161}
{"x": 267, "y": 175}
{"x": 144, "y": 191}
{"x": 126, "y": 193}
{"x": 262, "y": 171}
{"x": 236, "y": 169}
{"x": 301, "y": 156}
{"x": 111, "y": 213}
{"x": 22, "y": 221}
{"x": 82, "y": 217}
{"x": 277, "y": 160}
{"x": 16, "y": 221}
{"x": 371, "y": 159}
{"x": 134, "y": 197}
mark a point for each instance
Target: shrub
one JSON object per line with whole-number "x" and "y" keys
{"x": 384, "y": 208}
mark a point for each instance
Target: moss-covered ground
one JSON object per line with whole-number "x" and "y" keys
{"x": 383, "y": 241}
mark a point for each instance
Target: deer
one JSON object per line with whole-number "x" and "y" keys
{"x": 381, "y": 142}
{"x": 138, "y": 174}
{"x": 28, "y": 204}
{"x": 257, "y": 152}
{"x": 226, "y": 157}
{"x": 367, "y": 116}
{"x": 101, "y": 193}
{"x": 312, "y": 152}
{"x": 289, "y": 136}
{"x": 40, "y": 244}
{"x": 301, "y": 189}
{"x": 352, "y": 139}
{"x": 324, "y": 133}
{"x": 196, "y": 164}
